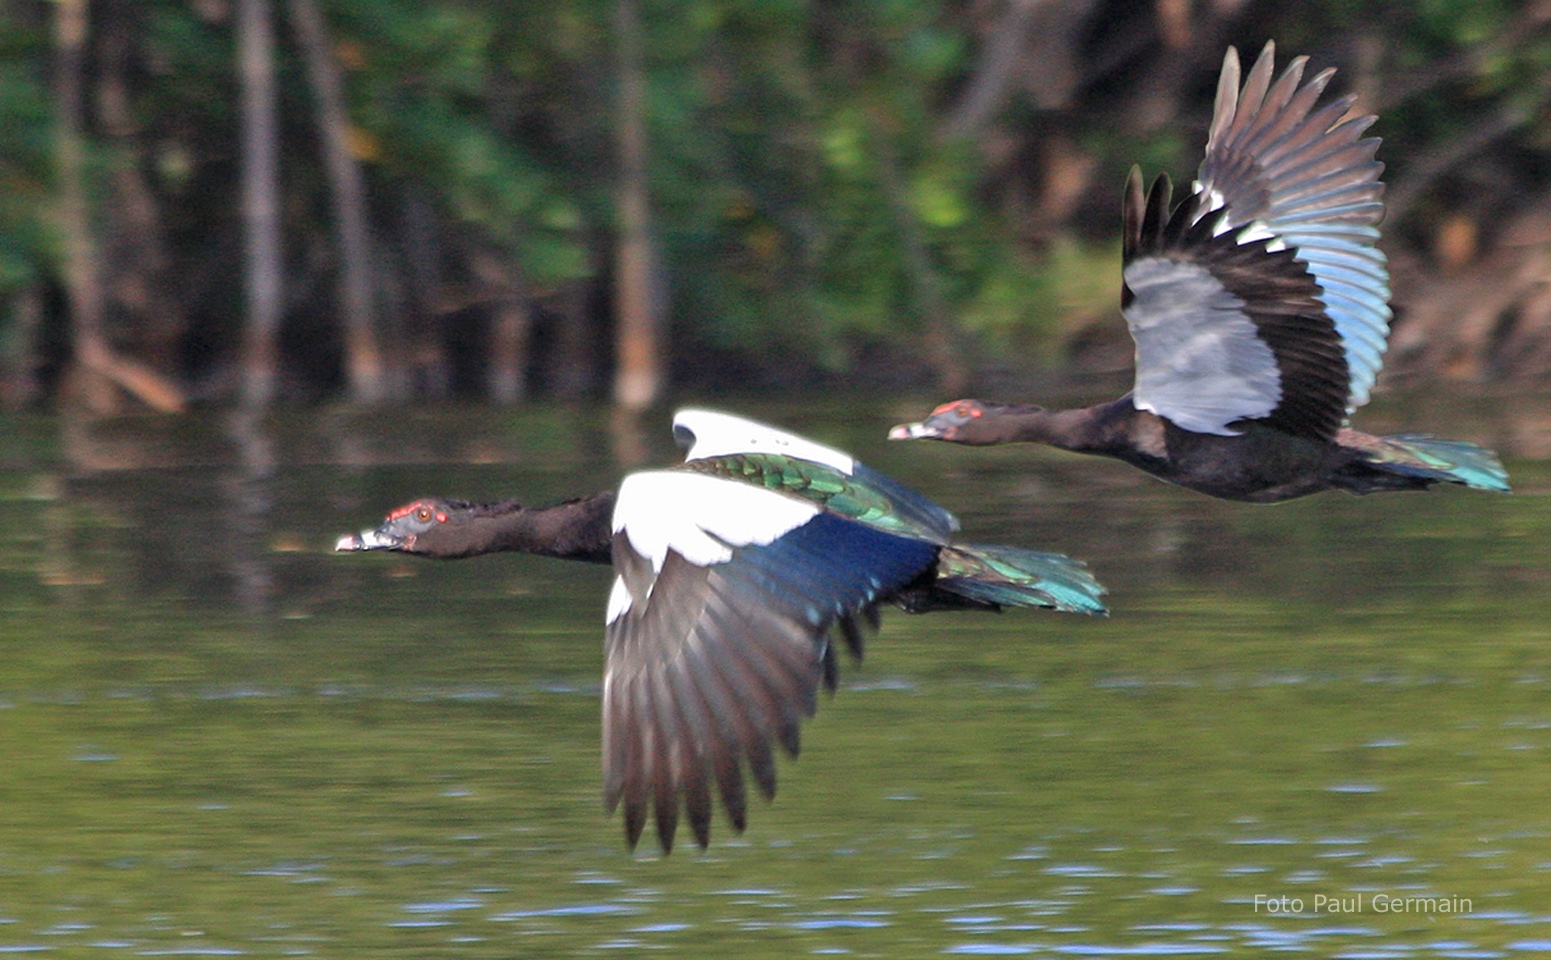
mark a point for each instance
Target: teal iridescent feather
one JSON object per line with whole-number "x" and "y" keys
{"x": 1454, "y": 461}
{"x": 1012, "y": 576}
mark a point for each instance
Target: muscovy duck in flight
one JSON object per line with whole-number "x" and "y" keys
{"x": 732, "y": 570}
{"x": 1260, "y": 310}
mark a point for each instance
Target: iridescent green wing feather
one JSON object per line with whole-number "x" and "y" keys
{"x": 864, "y": 495}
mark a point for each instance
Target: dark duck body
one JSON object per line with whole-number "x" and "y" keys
{"x": 1260, "y": 310}
{"x": 732, "y": 572}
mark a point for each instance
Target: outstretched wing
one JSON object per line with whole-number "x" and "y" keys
{"x": 1262, "y": 295}
{"x": 718, "y": 636}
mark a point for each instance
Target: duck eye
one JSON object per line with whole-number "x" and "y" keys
{"x": 423, "y": 514}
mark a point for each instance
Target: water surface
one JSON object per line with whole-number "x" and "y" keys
{"x": 219, "y": 739}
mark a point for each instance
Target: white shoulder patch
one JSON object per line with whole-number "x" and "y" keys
{"x": 619, "y": 600}
{"x": 1199, "y": 360}
{"x": 701, "y": 518}
{"x": 722, "y": 434}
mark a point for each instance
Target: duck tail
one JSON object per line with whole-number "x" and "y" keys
{"x": 1431, "y": 459}
{"x": 1014, "y": 577}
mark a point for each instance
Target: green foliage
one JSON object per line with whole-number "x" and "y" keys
{"x": 443, "y": 93}
{"x": 806, "y": 205}
{"x": 817, "y": 129}
{"x": 1022, "y": 304}
{"x": 24, "y": 155}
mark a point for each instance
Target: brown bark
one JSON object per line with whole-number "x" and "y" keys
{"x": 363, "y": 359}
{"x": 1033, "y": 44}
{"x": 136, "y": 261}
{"x": 83, "y": 281}
{"x": 573, "y": 366}
{"x": 81, "y": 278}
{"x": 19, "y": 384}
{"x": 419, "y": 361}
{"x": 638, "y": 328}
{"x": 260, "y": 201}
{"x": 506, "y": 377}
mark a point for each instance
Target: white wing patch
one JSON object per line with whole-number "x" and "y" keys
{"x": 1257, "y": 230}
{"x": 1199, "y": 361}
{"x": 1214, "y": 200}
{"x": 701, "y": 518}
{"x": 619, "y": 600}
{"x": 722, "y": 434}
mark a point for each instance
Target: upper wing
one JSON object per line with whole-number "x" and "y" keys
{"x": 717, "y": 638}
{"x": 1226, "y": 329}
{"x": 863, "y": 495}
{"x": 1262, "y": 295}
{"x": 711, "y": 433}
{"x": 745, "y": 449}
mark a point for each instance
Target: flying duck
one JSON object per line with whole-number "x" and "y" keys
{"x": 732, "y": 571}
{"x": 1260, "y": 309}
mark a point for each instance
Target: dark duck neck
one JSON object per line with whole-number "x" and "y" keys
{"x": 1115, "y": 429}
{"x": 577, "y": 529}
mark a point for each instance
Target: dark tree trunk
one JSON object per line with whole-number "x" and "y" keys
{"x": 1033, "y": 47}
{"x": 260, "y": 201}
{"x": 638, "y": 328}
{"x": 83, "y": 283}
{"x": 419, "y": 360}
{"x": 363, "y": 360}
{"x": 506, "y": 378}
{"x": 136, "y": 262}
{"x": 96, "y": 365}
{"x": 19, "y": 386}
{"x": 573, "y": 368}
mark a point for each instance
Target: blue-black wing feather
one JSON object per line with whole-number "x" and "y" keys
{"x": 740, "y": 648}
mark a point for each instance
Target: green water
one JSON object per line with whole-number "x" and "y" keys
{"x": 219, "y": 739}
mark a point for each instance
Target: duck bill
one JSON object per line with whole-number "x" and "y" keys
{"x": 368, "y": 540}
{"x": 915, "y": 431}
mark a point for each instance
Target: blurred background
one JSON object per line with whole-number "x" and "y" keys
{"x": 385, "y": 201}
{"x": 271, "y": 268}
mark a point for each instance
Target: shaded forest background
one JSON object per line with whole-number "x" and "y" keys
{"x": 389, "y": 201}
